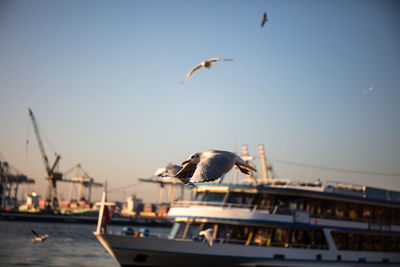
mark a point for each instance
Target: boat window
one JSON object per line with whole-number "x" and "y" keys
{"x": 387, "y": 215}
{"x": 366, "y": 241}
{"x": 180, "y": 231}
{"x": 328, "y": 208}
{"x": 390, "y": 243}
{"x": 300, "y": 238}
{"x": 301, "y": 204}
{"x": 353, "y": 241}
{"x": 281, "y": 237}
{"x": 340, "y": 240}
{"x": 238, "y": 235}
{"x": 263, "y": 237}
{"x": 214, "y": 197}
{"x": 378, "y": 243}
{"x": 379, "y": 214}
{"x": 199, "y": 196}
{"x": 354, "y": 211}
{"x": 174, "y": 230}
{"x": 265, "y": 202}
{"x": 193, "y": 231}
{"x": 395, "y": 216}
{"x": 340, "y": 209}
{"x": 367, "y": 212}
{"x": 314, "y": 206}
{"x": 285, "y": 204}
{"x": 224, "y": 233}
{"x": 240, "y": 198}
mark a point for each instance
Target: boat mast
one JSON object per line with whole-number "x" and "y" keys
{"x": 263, "y": 164}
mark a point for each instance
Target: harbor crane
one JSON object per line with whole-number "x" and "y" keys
{"x": 84, "y": 180}
{"x": 10, "y": 179}
{"x": 52, "y": 175}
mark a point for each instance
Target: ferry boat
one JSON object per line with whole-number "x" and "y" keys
{"x": 277, "y": 224}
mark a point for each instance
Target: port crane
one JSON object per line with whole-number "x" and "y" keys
{"x": 10, "y": 179}
{"x": 52, "y": 175}
{"x": 84, "y": 180}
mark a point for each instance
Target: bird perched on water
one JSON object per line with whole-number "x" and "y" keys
{"x": 39, "y": 238}
{"x": 205, "y": 64}
{"x": 210, "y": 165}
{"x": 208, "y": 236}
{"x": 265, "y": 19}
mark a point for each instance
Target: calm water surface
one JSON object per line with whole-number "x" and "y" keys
{"x": 67, "y": 245}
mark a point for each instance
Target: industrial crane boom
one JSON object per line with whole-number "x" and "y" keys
{"x": 51, "y": 199}
{"x": 49, "y": 170}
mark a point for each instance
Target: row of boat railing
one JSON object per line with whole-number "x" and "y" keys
{"x": 274, "y": 210}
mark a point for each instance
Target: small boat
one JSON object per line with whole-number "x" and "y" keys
{"x": 279, "y": 224}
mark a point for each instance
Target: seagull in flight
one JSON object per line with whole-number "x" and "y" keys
{"x": 369, "y": 89}
{"x": 265, "y": 19}
{"x": 210, "y": 165}
{"x": 208, "y": 235}
{"x": 169, "y": 170}
{"x": 39, "y": 238}
{"x": 205, "y": 64}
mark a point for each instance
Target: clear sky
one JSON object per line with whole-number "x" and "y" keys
{"x": 103, "y": 79}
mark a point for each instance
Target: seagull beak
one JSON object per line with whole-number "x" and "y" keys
{"x": 186, "y": 161}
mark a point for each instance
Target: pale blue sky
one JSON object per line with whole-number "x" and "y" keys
{"x": 103, "y": 79}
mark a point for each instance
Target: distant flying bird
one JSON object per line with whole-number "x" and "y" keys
{"x": 265, "y": 19}
{"x": 369, "y": 89}
{"x": 205, "y": 64}
{"x": 39, "y": 238}
{"x": 208, "y": 236}
{"x": 169, "y": 170}
{"x": 210, "y": 165}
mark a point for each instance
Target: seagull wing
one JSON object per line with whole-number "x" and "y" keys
{"x": 265, "y": 19}
{"x": 213, "y": 166}
{"x": 191, "y": 72}
{"x": 219, "y": 59}
{"x": 160, "y": 171}
{"x": 208, "y": 235}
{"x": 186, "y": 172}
{"x": 173, "y": 169}
{"x": 35, "y": 234}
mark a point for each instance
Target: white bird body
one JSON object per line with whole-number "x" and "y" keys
{"x": 205, "y": 64}
{"x": 39, "y": 238}
{"x": 208, "y": 235}
{"x": 210, "y": 165}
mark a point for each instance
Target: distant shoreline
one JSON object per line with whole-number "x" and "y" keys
{"x": 61, "y": 218}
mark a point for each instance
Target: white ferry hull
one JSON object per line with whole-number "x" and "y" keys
{"x": 136, "y": 251}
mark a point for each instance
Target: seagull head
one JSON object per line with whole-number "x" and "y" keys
{"x": 194, "y": 159}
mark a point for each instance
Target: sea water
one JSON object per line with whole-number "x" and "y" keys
{"x": 68, "y": 244}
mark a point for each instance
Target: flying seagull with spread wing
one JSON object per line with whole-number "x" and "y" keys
{"x": 265, "y": 19}
{"x": 39, "y": 238}
{"x": 208, "y": 235}
{"x": 205, "y": 64}
{"x": 369, "y": 90}
{"x": 210, "y": 165}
